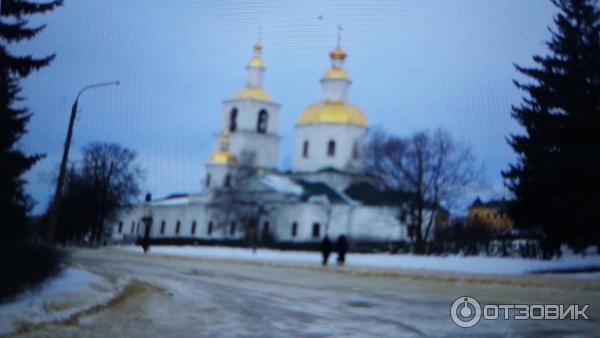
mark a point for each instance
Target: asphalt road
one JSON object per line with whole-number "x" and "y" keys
{"x": 179, "y": 297}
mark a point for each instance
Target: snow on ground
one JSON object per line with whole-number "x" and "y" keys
{"x": 72, "y": 291}
{"x": 454, "y": 263}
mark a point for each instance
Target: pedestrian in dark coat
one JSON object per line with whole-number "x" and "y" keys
{"x": 341, "y": 247}
{"x": 325, "y": 249}
{"x": 146, "y": 239}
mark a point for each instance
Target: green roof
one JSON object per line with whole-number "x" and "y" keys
{"x": 368, "y": 194}
{"x": 311, "y": 189}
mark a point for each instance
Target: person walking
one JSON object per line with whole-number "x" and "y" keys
{"x": 325, "y": 249}
{"x": 341, "y": 247}
{"x": 145, "y": 242}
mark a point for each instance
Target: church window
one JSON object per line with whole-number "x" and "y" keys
{"x": 227, "y": 181}
{"x": 207, "y": 180}
{"x": 355, "y": 151}
{"x": 331, "y": 148}
{"x": 316, "y": 230}
{"x": 209, "y": 229}
{"x": 177, "y": 227}
{"x": 265, "y": 229}
{"x": 232, "y": 228}
{"x": 120, "y": 227}
{"x": 403, "y": 216}
{"x": 233, "y": 120}
{"x": 305, "y": 149}
{"x": 132, "y": 226}
{"x": 294, "y": 229}
{"x": 162, "y": 227}
{"x": 261, "y": 125}
{"x": 193, "y": 227}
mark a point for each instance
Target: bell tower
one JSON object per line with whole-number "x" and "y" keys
{"x": 248, "y": 125}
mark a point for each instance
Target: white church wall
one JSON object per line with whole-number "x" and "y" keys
{"x": 254, "y": 77}
{"x": 305, "y": 215}
{"x": 125, "y": 225}
{"x": 247, "y": 116}
{"x": 318, "y": 136}
{"x": 216, "y": 174}
{"x": 376, "y": 223}
{"x": 356, "y": 222}
{"x": 264, "y": 147}
{"x": 246, "y": 138}
{"x": 335, "y": 90}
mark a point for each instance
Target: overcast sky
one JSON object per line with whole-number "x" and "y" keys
{"x": 415, "y": 64}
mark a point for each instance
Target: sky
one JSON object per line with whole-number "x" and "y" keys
{"x": 415, "y": 65}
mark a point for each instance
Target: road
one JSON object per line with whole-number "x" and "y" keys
{"x": 181, "y": 297}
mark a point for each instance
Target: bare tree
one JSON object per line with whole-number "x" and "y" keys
{"x": 239, "y": 201}
{"x": 432, "y": 168}
{"x": 104, "y": 181}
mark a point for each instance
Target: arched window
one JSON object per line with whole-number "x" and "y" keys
{"x": 331, "y": 148}
{"x": 193, "y": 227}
{"x": 120, "y": 227}
{"x": 177, "y": 227}
{"x": 265, "y": 233}
{"x": 207, "y": 180}
{"x": 232, "y": 229}
{"x": 233, "y": 120}
{"x": 355, "y": 151}
{"x": 132, "y": 226}
{"x": 305, "y": 149}
{"x": 209, "y": 228}
{"x": 227, "y": 180}
{"x": 162, "y": 227}
{"x": 316, "y": 230}
{"x": 261, "y": 125}
{"x": 294, "y": 229}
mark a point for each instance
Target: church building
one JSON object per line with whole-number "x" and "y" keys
{"x": 246, "y": 198}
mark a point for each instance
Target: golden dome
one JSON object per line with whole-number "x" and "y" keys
{"x": 222, "y": 157}
{"x": 253, "y": 93}
{"x": 332, "y": 113}
{"x": 256, "y": 62}
{"x": 338, "y": 54}
{"x": 336, "y": 74}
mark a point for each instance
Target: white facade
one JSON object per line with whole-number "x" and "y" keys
{"x": 312, "y": 152}
{"x": 302, "y": 206}
{"x": 245, "y": 140}
{"x": 331, "y": 133}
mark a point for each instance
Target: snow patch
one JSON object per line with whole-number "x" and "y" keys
{"x": 282, "y": 184}
{"x": 388, "y": 262}
{"x": 72, "y": 291}
{"x": 172, "y": 201}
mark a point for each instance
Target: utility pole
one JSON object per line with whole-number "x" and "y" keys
{"x": 56, "y": 203}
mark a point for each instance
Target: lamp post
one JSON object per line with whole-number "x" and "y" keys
{"x": 54, "y": 211}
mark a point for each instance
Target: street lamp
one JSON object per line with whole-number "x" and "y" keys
{"x": 63, "y": 164}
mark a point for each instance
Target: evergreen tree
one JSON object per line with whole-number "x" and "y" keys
{"x": 556, "y": 180}
{"x": 14, "y": 202}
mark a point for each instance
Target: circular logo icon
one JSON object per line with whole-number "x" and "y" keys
{"x": 465, "y": 311}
